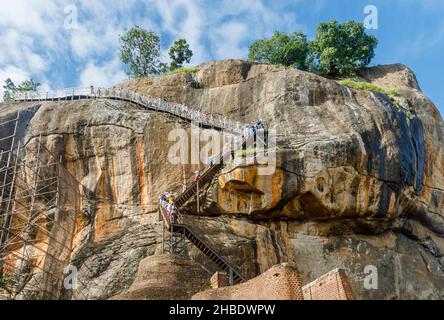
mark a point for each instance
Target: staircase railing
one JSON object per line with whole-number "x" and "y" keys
{"x": 198, "y": 242}
{"x": 204, "y": 178}
{"x": 177, "y": 109}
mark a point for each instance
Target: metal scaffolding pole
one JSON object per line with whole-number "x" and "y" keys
{"x": 34, "y": 188}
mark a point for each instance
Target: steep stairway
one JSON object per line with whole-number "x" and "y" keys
{"x": 204, "y": 180}
{"x": 180, "y": 228}
{"x": 197, "y": 241}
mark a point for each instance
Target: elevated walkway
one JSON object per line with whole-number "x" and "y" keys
{"x": 178, "y": 231}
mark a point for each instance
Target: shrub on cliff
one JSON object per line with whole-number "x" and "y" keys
{"x": 179, "y": 53}
{"x": 338, "y": 49}
{"x": 341, "y": 49}
{"x": 288, "y": 49}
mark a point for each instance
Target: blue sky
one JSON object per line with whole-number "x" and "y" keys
{"x": 39, "y": 40}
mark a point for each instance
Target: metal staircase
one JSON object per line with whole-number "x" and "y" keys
{"x": 205, "y": 179}
{"x": 180, "y": 232}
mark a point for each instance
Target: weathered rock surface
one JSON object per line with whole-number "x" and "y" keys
{"x": 340, "y": 153}
{"x": 358, "y": 180}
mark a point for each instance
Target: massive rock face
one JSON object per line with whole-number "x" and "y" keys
{"x": 341, "y": 154}
{"x": 358, "y": 180}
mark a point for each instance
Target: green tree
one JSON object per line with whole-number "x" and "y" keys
{"x": 28, "y": 85}
{"x": 179, "y": 53}
{"x": 11, "y": 88}
{"x": 287, "y": 49}
{"x": 140, "y": 52}
{"x": 341, "y": 49}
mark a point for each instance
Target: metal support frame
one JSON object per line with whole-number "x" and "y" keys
{"x": 177, "y": 243}
{"x": 39, "y": 200}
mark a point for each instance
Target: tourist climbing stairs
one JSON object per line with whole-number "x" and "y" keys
{"x": 182, "y": 229}
{"x": 191, "y": 191}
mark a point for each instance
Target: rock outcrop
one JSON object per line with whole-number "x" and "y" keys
{"x": 359, "y": 180}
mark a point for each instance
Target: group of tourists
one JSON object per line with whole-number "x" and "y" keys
{"x": 251, "y": 131}
{"x": 167, "y": 202}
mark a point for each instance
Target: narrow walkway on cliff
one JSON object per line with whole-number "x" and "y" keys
{"x": 205, "y": 120}
{"x": 178, "y": 230}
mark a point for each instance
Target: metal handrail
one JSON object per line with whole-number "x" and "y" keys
{"x": 214, "y": 252}
{"x": 180, "y": 110}
{"x": 205, "y": 174}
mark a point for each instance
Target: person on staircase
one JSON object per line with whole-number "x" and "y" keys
{"x": 210, "y": 161}
{"x": 197, "y": 176}
{"x": 170, "y": 198}
{"x": 173, "y": 214}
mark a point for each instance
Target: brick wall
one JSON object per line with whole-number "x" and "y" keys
{"x": 219, "y": 280}
{"x": 281, "y": 282}
{"x": 334, "y": 285}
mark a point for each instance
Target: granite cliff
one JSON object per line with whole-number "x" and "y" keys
{"x": 359, "y": 179}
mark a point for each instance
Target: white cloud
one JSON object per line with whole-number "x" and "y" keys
{"x": 183, "y": 18}
{"x": 102, "y": 75}
{"x": 228, "y": 40}
{"x": 35, "y": 41}
{"x": 224, "y": 26}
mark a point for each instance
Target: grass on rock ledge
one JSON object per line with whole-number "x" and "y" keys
{"x": 185, "y": 70}
{"x": 361, "y": 85}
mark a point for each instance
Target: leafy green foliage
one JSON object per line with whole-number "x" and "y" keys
{"x": 341, "y": 49}
{"x": 179, "y": 53}
{"x": 282, "y": 48}
{"x": 338, "y": 49}
{"x": 28, "y": 85}
{"x": 11, "y": 88}
{"x": 140, "y": 51}
{"x": 361, "y": 85}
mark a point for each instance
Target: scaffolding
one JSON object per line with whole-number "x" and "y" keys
{"x": 39, "y": 204}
